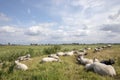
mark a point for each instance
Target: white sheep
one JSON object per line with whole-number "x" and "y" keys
{"x": 109, "y": 46}
{"x": 89, "y": 65}
{"x": 21, "y": 66}
{"x": 89, "y": 48}
{"x": 60, "y": 54}
{"x": 98, "y": 49}
{"x": 22, "y": 58}
{"x": 28, "y": 55}
{"x": 53, "y": 56}
{"x": 84, "y": 61}
{"x": 49, "y": 59}
{"x": 70, "y": 53}
{"x": 101, "y": 69}
{"x": 81, "y": 53}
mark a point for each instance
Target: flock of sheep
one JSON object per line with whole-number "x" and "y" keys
{"x": 103, "y": 67}
{"x": 98, "y": 49}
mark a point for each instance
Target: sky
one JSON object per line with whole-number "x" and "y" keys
{"x": 59, "y": 21}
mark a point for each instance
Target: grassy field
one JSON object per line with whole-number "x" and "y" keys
{"x": 68, "y": 69}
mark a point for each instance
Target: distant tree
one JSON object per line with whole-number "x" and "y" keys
{"x": 8, "y": 43}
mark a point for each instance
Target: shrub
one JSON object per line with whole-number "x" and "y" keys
{"x": 51, "y": 50}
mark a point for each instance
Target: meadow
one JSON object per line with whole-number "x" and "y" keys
{"x": 68, "y": 69}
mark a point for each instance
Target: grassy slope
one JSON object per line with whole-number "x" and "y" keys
{"x": 68, "y": 69}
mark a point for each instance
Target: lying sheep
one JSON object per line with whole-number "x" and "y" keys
{"x": 87, "y": 48}
{"x": 70, "y": 53}
{"x": 101, "y": 69}
{"x": 89, "y": 66}
{"x": 109, "y": 46}
{"x": 49, "y": 59}
{"x": 81, "y": 53}
{"x": 84, "y": 61}
{"x": 20, "y": 66}
{"x": 108, "y": 62}
{"x": 53, "y": 56}
{"x": 60, "y": 54}
{"x": 1, "y": 63}
{"x": 104, "y": 47}
{"x": 28, "y": 56}
{"x": 97, "y": 49}
{"x": 22, "y": 58}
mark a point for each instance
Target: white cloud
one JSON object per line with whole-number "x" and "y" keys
{"x": 9, "y": 29}
{"x": 3, "y": 17}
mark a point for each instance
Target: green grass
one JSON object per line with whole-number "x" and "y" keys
{"x": 68, "y": 69}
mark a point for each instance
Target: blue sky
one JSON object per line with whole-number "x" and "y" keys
{"x": 59, "y": 21}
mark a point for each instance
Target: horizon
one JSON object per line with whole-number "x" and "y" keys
{"x": 59, "y": 21}
{"x": 37, "y": 44}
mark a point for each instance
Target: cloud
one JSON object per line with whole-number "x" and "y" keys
{"x": 3, "y": 17}
{"x": 40, "y": 29}
{"x": 111, "y": 27}
{"x": 9, "y": 29}
{"x": 36, "y": 30}
{"x": 115, "y": 16}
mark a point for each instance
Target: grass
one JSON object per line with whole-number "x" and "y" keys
{"x": 68, "y": 69}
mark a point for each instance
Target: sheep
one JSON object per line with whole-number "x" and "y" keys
{"x": 83, "y": 60}
{"x": 87, "y": 48}
{"x": 70, "y": 53}
{"x": 1, "y": 63}
{"x": 101, "y": 69}
{"x": 20, "y": 66}
{"x": 60, "y": 54}
{"x": 22, "y": 58}
{"x": 49, "y": 59}
{"x": 104, "y": 47}
{"x": 95, "y": 60}
{"x": 108, "y": 62}
{"x": 89, "y": 67}
{"x": 81, "y": 52}
{"x": 53, "y": 56}
{"x": 28, "y": 56}
{"x": 97, "y": 49}
{"x": 109, "y": 46}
